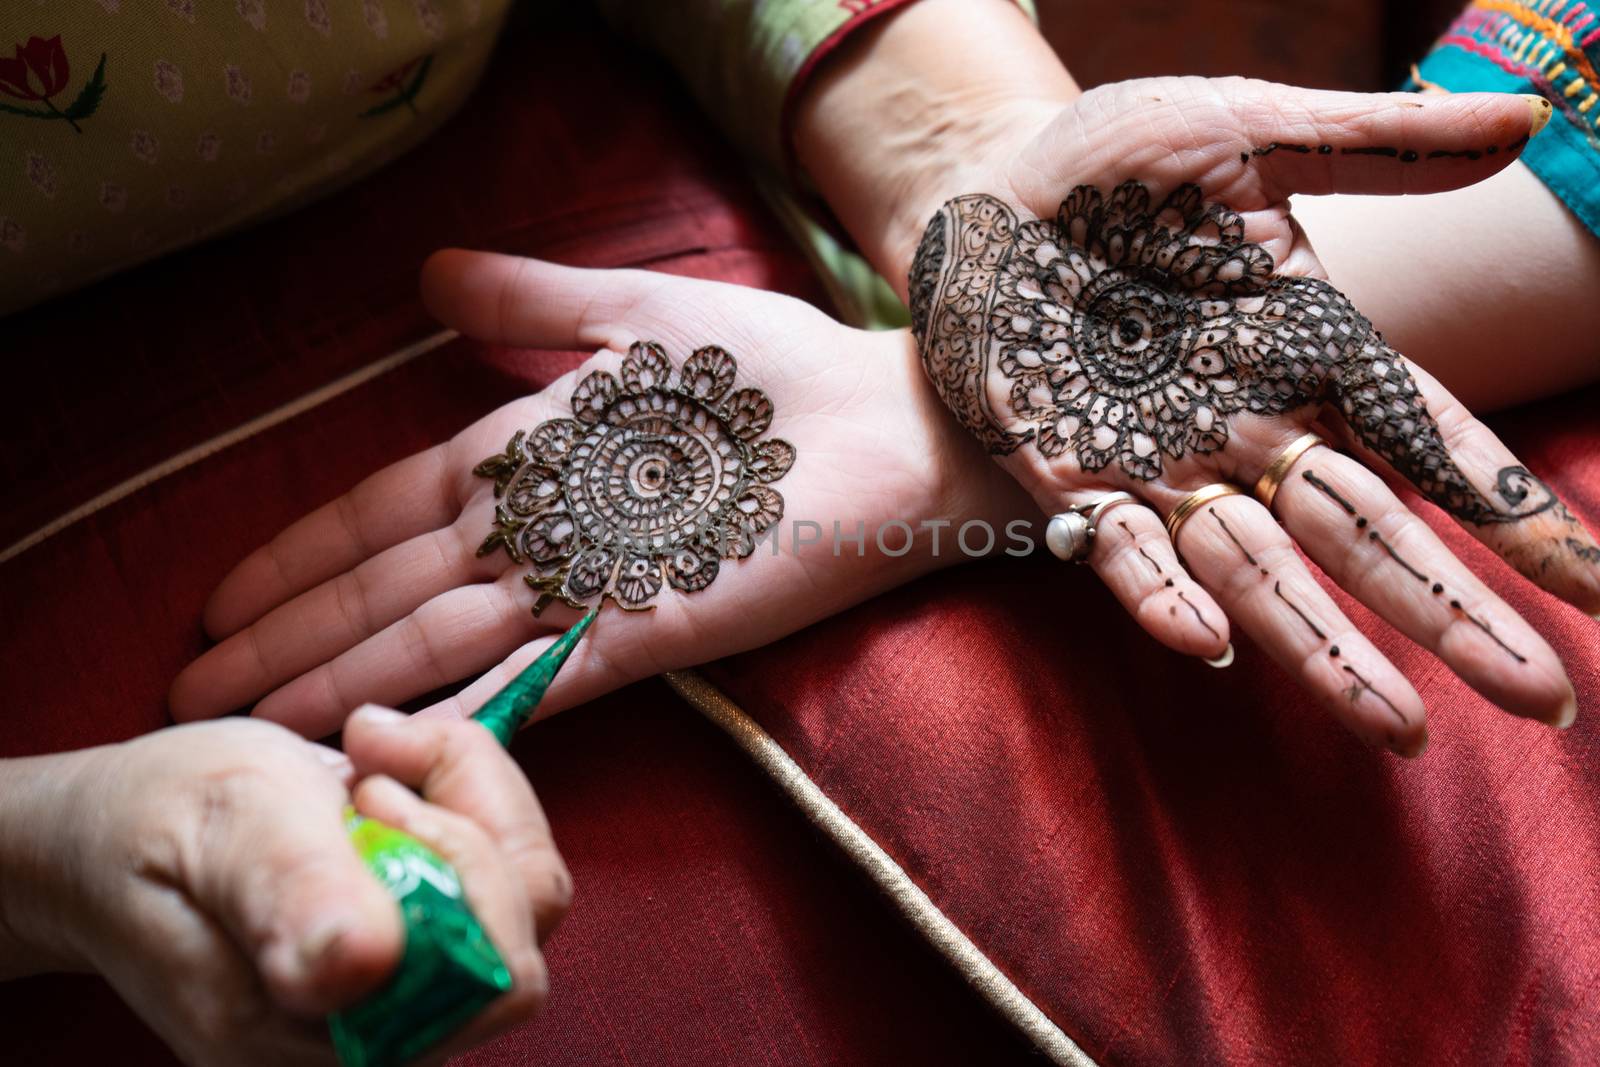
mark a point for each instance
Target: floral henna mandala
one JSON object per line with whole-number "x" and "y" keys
{"x": 1126, "y": 332}
{"x": 655, "y": 479}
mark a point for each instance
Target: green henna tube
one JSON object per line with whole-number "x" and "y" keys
{"x": 450, "y": 970}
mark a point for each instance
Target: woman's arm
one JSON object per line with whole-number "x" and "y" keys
{"x": 1493, "y": 287}
{"x": 922, "y": 105}
{"x": 36, "y": 804}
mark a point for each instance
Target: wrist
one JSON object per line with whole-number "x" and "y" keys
{"x": 40, "y": 806}
{"x": 959, "y": 485}
{"x": 927, "y": 102}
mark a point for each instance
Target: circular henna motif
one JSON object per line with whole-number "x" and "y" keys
{"x": 657, "y": 477}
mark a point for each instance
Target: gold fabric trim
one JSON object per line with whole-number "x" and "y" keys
{"x": 243, "y": 432}
{"x": 979, "y": 971}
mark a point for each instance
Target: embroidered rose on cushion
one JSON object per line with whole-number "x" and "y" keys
{"x": 404, "y": 82}
{"x": 38, "y": 71}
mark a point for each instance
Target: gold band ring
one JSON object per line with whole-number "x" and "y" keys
{"x": 1279, "y": 468}
{"x": 1194, "y": 502}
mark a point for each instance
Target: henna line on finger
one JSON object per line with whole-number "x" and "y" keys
{"x": 1140, "y": 547}
{"x": 1387, "y": 547}
{"x": 1197, "y": 614}
{"x": 1364, "y": 686}
{"x": 1277, "y": 587}
{"x": 1220, "y": 521}
{"x": 1484, "y": 626}
{"x": 1587, "y": 553}
{"x": 1329, "y": 492}
{"x": 1438, "y": 587}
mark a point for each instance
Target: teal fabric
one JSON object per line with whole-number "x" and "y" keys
{"x": 1565, "y": 155}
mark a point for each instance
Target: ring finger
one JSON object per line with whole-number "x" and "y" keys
{"x": 1236, "y": 550}
{"x": 1373, "y": 546}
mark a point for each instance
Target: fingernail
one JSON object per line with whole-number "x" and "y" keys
{"x": 377, "y": 715}
{"x": 332, "y": 757}
{"x": 1416, "y": 749}
{"x": 1223, "y": 660}
{"x": 1567, "y": 715}
{"x": 1541, "y": 111}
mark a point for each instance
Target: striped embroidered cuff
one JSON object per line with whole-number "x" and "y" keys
{"x": 1550, "y": 47}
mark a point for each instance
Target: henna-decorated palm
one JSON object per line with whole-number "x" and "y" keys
{"x": 644, "y": 479}
{"x": 1148, "y": 317}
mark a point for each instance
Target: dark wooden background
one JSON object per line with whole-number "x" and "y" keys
{"x": 1332, "y": 44}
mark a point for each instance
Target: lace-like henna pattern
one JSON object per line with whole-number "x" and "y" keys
{"x": 1126, "y": 332}
{"x": 656, "y": 479}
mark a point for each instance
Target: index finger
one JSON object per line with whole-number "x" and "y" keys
{"x": 458, "y": 765}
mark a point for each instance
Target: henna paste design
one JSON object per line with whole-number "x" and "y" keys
{"x": 1363, "y": 686}
{"x": 1201, "y": 618}
{"x": 1126, "y": 332}
{"x": 1438, "y": 587}
{"x": 1587, "y": 553}
{"x": 1147, "y": 556}
{"x": 1248, "y": 558}
{"x": 1484, "y": 626}
{"x": 1277, "y": 588}
{"x": 1404, "y": 155}
{"x": 657, "y": 478}
{"x": 1378, "y": 539}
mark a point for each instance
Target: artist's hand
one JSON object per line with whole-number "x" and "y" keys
{"x": 205, "y": 872}
{"x": 383, "y": 595}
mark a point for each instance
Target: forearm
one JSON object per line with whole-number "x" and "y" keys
{"x": 1471, "y": 283}
{"x": 904, "y": 115}
{"x": 36, "y": 800}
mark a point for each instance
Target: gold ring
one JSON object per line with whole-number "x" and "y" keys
{"x": 1279, "y": 468}
{"x": 1194, "y": 502}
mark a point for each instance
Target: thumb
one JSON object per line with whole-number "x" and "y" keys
{"x": 277, "y": 869}
{"x": 1311, "y": 141}
{"x": 528, "y": 303}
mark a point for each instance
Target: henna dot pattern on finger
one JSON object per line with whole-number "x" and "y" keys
{"x": 657, "y": 478}
{"x": 1123, "y": 332}
{"x": 1437, "y": 588}
{"x": 1361, "y": 686}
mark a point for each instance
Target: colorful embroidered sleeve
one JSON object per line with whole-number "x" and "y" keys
{"x": 746, "y": 59}
{"x": 1535, "y": 46}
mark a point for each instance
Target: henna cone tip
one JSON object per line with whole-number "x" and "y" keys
{"x": 1224, "y": 660}
{"x": 513, "y": 706}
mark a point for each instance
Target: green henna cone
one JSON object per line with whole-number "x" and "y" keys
{"x": 450, "y": 969}
{"x": 510, "y": 709}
